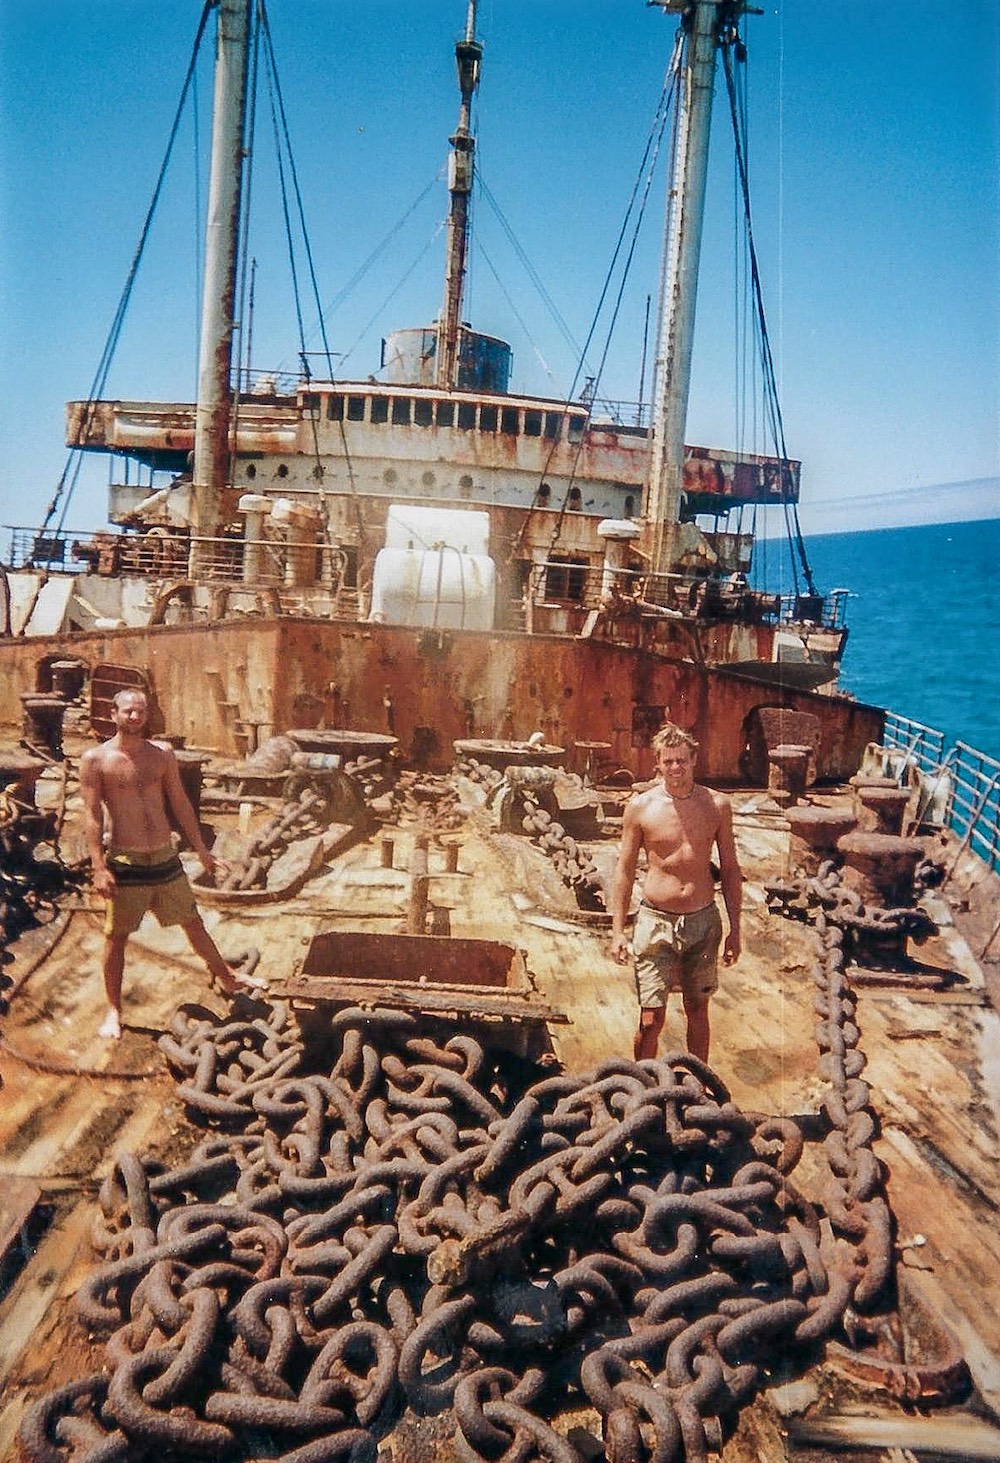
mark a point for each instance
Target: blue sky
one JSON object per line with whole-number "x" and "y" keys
{"x": 874, "y": 166}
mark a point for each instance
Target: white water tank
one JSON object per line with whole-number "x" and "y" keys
{"x": 434, "y": 572}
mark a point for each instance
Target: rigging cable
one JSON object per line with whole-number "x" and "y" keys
{"x": 75, "y": 458}
{"x": 273, "y": 80}
{"x": 767, "y": 359}
{"x": 363, "y": 269}
{"x": 283, "y": 146}
{"x": 529, "y": 268}
{"x": 650, "y": 157}
{"x": 520, "y": 319}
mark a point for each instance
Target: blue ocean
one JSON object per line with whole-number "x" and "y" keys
{"x": 924, "y": 618}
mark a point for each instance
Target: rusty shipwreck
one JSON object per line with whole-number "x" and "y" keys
{"x": 422, "y": 552}
{"x": 410, "y": 638}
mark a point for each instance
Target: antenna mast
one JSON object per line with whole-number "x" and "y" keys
{"x": 468, "y": 55}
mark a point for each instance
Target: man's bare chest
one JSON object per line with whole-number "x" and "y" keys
{"x": 140, "y": 776}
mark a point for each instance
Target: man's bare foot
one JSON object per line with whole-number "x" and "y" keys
{"x": 248, "y": 984}
{"x": 239, "y": 975}
{"x": 111, "y": 1027}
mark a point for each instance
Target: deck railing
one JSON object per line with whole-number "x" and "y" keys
{"x": 971, "y": 777}
{"x": 569, "y": 582}
{"x": 162, "y": 556}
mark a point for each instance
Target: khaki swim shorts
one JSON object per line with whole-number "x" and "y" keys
{"x": 676, "y": 952}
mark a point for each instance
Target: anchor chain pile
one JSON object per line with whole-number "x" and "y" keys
{"x": 520, "y": 787}
{"x": 427, "y": 1226}
{"x": 303, "y": 817}
{"x": 421, "y": 797}
{"x": 30, "y": 886}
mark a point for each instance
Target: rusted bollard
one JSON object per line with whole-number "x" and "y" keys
{"x": 880, "y": 809}
{"x": 191, "y": 766}
{"x": 68, "y": 677}
{"x": 788, "y": 767}
{"x": 43, "y": 722}
{"x": 880, "y": 867}
{"x": 815, "y": 834}
{"x": 18, "y": 775}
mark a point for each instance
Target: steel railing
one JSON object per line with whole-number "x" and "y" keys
{"x": 157, "y": 554}
{"x": 276, "y": 561}
{"x": 969, "y": 778}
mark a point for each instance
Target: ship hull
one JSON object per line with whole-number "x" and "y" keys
{"x": 229, "y": 686}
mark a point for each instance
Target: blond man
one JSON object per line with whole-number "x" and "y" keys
{"x": 678, "y": 928}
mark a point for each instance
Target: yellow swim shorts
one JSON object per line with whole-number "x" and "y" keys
{"x": 147, "y": 880}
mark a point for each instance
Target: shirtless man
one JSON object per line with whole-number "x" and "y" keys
{"x": 678, "y": 929}
{"x": 135, "y": 781}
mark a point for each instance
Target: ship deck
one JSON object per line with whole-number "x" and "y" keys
{"x": 71, "y": 1103}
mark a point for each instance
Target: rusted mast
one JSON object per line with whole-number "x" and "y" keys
{"x": 685, "y": 216}
{"x": 468, "y": 55}
{"x": 214, "y": 410}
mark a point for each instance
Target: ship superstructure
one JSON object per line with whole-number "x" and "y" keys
{"x": 430, "y": 497}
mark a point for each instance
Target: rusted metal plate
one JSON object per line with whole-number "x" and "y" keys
{"x": 415, "y": 960}
{"x": 454, "y": 1001}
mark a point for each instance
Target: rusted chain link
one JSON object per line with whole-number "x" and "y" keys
{"x": 826, "y": 891}
{"x": 423, "y": 1226}
{"x": 520, "y": 795}
{"x": 854, "y": 1197}
{"x": 300, "y": 818}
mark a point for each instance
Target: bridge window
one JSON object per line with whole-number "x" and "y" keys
{"x": 380, "y": 409}
{"x": 423, "y": 412}
{"x": 487, "y": 418}
{"x": 544, "y": 494}
{"x": 355, "y": 408}
{"x": 532, "y": 424}
{"x": 575, "y": 430}
{"x": 509, "y": 420}
{"x": 446, "y": 413}
{"x": 629, "y": 506}
{"x": 335, "y": 407}
{"x": 467, "y": 416}
{"x": 566, "y": 578}
{"x": 574, "y": 501}
{"x": 552, "y": 420}
{"x": 401, "y": 411}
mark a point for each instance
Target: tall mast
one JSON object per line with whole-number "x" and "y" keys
{"x": 700, "y": 19}
{"x": 468, "y": 55}
{"x": 213, "y": 416}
